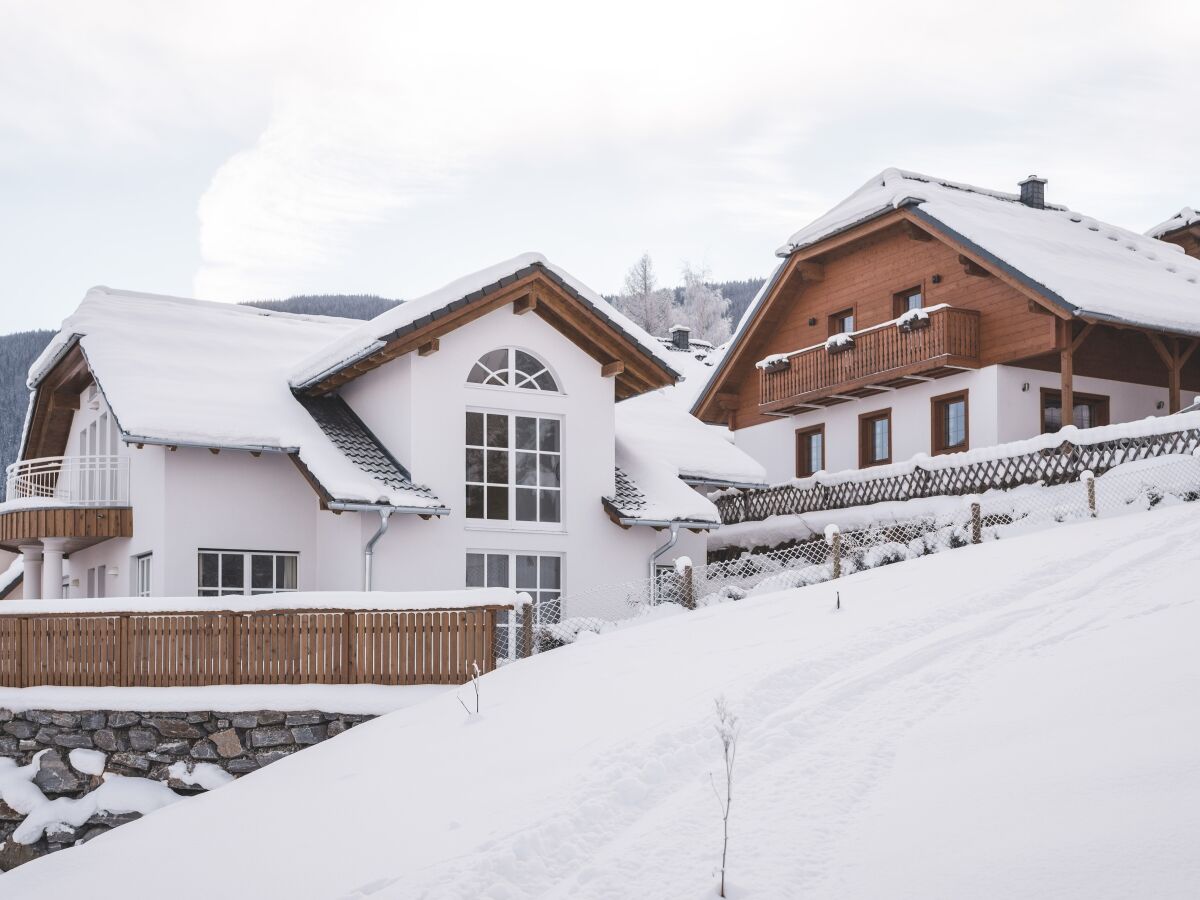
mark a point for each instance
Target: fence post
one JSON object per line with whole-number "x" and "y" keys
{"x": 833, "y": 535}
{"x": 22, "y": 679}
{"x": 234, "y": 646}
{"x": 348, "y": 619}
{"x": 687, "y": 594}
{"x": 976, "y": 523}
{"x": 1089, "y": 481}
{"x": 525, "y": 641}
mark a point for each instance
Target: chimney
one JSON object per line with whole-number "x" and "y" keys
{"x": 680, "y": 337}
{"x": 1033, "y": 192}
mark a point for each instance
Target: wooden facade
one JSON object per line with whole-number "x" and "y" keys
{"x": 864, "y": 271}
{"x": 282, "y": 646}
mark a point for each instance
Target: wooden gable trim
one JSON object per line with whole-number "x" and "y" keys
{"x": 534, "y": 292}
{"x": 54, "y": 405}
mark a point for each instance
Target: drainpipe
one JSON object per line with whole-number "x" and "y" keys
{"x": 369, "y": 550}
{"x": 674, "y": 526}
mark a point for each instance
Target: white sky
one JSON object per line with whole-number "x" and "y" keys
{"x": 245, "y": 150}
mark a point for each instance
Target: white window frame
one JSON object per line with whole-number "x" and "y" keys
{"x": 538, "y": 594}
{"x": 246, "y": 590}
{"x": 512, "y": 450}
{"x": 142, "y": 574}
{"x": 530, "y": 387}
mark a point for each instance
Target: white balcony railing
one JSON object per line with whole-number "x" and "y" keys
{"x": 70, "y": 480}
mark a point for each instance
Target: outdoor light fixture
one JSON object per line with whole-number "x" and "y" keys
{"x": 1159, "y": 405}
{"x": 1025, "y": 388}
{"x": 812, "y": 320}
{"x": 936, "y": 279}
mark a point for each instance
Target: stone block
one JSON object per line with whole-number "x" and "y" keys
{"x": 9, "y": 746}
{"x": 107, "y": 739}
{"x": 73, "y": 740}
{"x": 227, "y": 743}
{"x": 335, "y": 728}
{"x": 271, "y": 737}
{"x": 241, "y": 766}
{"x": 174, "y": 728}
{"x": 270, "y": 717}
{"x": 195, "y": 718}
{"x": 204, "y": 750}
{"x": 302, "y": 718}
{"x": 130, "y": 761}
{"x": 46, "y": 735}
{"x": 142, "y": 739}
{"x": 64, "y": 719}
{"x": 37, "y": 716}
{"x": 306, "y": 735}
{"x": 269, "y": 756}
{"x": 54, "y": 776}
{"x": 123, "y": 719}
{"x": 6, "y": 715}
{"x": 20, "y": 730}
{"x": 245, "y": 720}
{"x": 91, "y": 720}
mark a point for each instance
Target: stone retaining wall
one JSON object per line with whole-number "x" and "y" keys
{"x": 144, "y": 745}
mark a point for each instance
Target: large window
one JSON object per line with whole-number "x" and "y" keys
{"x": 221, "y": 572}
{"x": 538, "y": 575}
{"x": 949, "y": 413}
{"x": 510, "y": 367}
{"x": 810, "y": 451}
{"x": 1090, "y": 410}
{"x": 513, "y": 467}
{"x": 875, "y": 438}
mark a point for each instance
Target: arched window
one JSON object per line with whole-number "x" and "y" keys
{"x": 510, "y": 367}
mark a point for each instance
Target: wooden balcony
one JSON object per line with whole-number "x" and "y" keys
{"x": 881, "y": 359}
{"x": 83, "y": 499}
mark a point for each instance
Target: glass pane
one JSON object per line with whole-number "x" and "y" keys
{"x": 207, "y": 592}
{"x": 527, "y": 364}
{"x": 548, "y": 434}
{"x": 475, "y": 429}
{"x": 497, "y": 431}
{"x": 474, "y": 501}
{"x": 474, "y": 465}
{"x": 496, "y": 361}
{"x": 527, "y": 573}
{"x": 1052, "y": 414}
{"x": 497, "y": 502}
{"x": 527, "y": 468}
{"x": 816, "y": 452}
{"x": 880, "y": 439}
{"x": 956, "y": 423}
{"x": 913, "y": 300}
{"x": 548, "y": 469}
{"x": 497, "y": 467}
{"x": 208, "y": 570}
{"x": 526, "y": 433}
{"x": 262, "y": 571}
{"x": 546, "y": 382}
{"x": 287, "y": 573}
{"x": 549, "y": 505}
{"x": 476, "y": 564}
{"x": 1084, "y": 415}
{"x": 526, "y": 505}
{"x": 497, "y": 570}
{"x": 233, "y": 571}
{"x": 551, "y": 573}
{"x": 478, "y": 374}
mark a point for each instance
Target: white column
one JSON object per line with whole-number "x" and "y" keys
{"x": 52, "y": 567}
{"x": 31, "y": 562}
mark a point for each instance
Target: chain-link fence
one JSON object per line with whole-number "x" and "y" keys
{"x": 937, "y": 525}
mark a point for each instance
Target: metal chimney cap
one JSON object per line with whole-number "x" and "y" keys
{"x": 1032, "y": 179}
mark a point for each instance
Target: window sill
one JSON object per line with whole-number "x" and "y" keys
{"x": 513, "y": 527}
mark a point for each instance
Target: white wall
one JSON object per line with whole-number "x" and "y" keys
{"x": 999, "y": 409}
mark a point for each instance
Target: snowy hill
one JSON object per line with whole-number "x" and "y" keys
{"x": 1015, "y": 719}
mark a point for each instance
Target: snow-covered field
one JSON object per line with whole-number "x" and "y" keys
{"x": 1016, "y": 719}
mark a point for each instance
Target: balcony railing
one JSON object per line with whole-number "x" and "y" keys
{"x": 880, "y": 357}
{"x": 70, "y": 480}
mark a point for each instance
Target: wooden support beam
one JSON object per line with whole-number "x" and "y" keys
{"x": 525, "y": 304}
{"x": 429, "y": 347}
{"x": 1066, "y": 358}
{"x": 916, "y": 233}
{"x": 972, "y": 268}
{"x": 214, "y": 450}
{"x": 1171, "y": 359}
{"x": 1082, "y": 336}
{"x": 1038, "y": 308}
{"x": 64, "y": 400}
{"x": 612, "y": 369}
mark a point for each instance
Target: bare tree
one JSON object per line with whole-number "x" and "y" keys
{"x": 705, "y": 308}
{"x": 727, "y": 731}
{"x": 643, "y": 301}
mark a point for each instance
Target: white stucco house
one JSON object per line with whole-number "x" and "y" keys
{"x": 505, "y": 430}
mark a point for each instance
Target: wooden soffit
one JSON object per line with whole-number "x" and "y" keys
{"x": 80, "y": 526}
{"x": 536, "y": 291}
{"x": 54, "y": 405}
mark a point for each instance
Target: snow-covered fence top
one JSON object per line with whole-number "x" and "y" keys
{"x": 1049, "y": 459}
{"x": 302, "y": 644}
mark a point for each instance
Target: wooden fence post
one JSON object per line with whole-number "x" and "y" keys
{"x": 348, "y": 620}
{"x": 687, "y": 592}
{"x": 234, "y": 647}
{"x": 23, "y": 654}
{"x": 976, "y": 524}
{"x": 833, "y": 535}
{"x": 525, "y": 640}
{"x": 1089, "y": 481}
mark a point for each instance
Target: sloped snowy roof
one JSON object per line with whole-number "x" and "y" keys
{"x": 368, "y": 337}
{"x": 1182, "y": 219}
{"x": 215, "y": 374}
{"x": 1085, "y": 265}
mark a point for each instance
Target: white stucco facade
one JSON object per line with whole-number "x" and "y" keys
{"x": 1004, "y": 404}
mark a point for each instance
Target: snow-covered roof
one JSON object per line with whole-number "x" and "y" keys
{"x": 367, "y": 337}
{"x": 1086, "y": 266}
{"x": 184, "y": 371}
{"x": 1182, "y": 219}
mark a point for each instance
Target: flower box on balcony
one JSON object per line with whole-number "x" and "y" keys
{"x": 839, "y": 343}
{"x": 913, "y": 320}
{"x": 776, "y": 363}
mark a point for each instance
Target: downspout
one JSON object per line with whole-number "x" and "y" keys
{"x": 654, "y": 561}
{"x": 369, "y": 550}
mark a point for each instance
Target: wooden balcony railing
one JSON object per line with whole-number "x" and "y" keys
{"x": 883, "y": 356}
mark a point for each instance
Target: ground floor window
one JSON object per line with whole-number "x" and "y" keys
{"x": 875, "y": 438}
{"x": 1090, "y": 410}
{"x": 810, "y": 450}
{"x": 95, "y": 581}
{"x": 229, "y": 572}
{"x": 141, "y": 576}
{"x": 537, "y": 574}
{"x": 949, "y": 415}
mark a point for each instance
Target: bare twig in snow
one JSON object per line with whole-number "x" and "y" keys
{"x": 727, "y": 731}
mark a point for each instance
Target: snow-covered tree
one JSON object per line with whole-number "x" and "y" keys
{"x": 643, "y": 301}
{"x": 705, "y": 308}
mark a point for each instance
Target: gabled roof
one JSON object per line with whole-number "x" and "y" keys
{"x": 1070, "y": 262}
{"x": 563, "y": 301}
{"x": 190, "y": 372}
{"x": 1182, "y": 219}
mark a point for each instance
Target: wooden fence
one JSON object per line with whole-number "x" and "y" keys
{"x": 279, "y": 646}
{"x": 1062, "y": 463}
